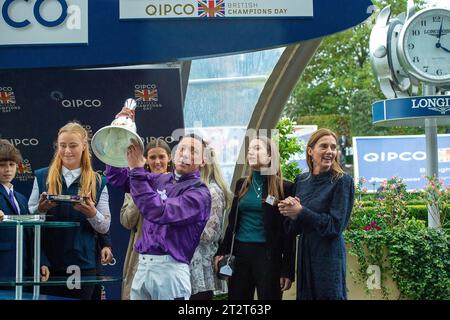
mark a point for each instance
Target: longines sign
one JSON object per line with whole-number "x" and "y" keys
{"x": 403, "y": 110}
{"x": 43, "y": 22}
{"x": 143, "y": 9}
{"x": 441, "y": 105}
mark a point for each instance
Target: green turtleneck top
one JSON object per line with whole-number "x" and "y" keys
{"x": 251, "y": 225}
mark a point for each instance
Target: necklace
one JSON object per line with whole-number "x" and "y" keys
{"x": 257, "y": 187}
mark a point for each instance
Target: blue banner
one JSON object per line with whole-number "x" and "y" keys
{"x": 381, "y": 158}
{"x": 35, "y": 104}
{"x": 78, "y": 33}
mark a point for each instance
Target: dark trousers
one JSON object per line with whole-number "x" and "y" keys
{"x": 97, "y": 292}
{"x": 84, "y": 293}
{"x": 204, "y": 295}
{"x": 254, "y": 269}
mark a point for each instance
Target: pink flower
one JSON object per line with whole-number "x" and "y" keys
{"x": 372, "y": 226}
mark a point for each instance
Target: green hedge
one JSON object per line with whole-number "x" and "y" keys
{"x": 417, "y": 258}
{"x": 419, "y": 211}
{"x": 366, "y": 203}
{"x": 413, "y": 197}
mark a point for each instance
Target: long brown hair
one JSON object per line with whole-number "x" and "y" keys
{"x": 88, "y": 175}
{"x": 335, "y": 166}
{"x": 158, "y": 143}
{"x": 273, "y": 173}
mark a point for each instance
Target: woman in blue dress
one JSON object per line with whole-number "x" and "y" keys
{"x": 319, "y": 212}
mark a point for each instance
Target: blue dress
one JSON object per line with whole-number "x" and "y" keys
{"x": 327, "y": 205}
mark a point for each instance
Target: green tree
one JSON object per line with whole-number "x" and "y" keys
{"x": 339, "y": 80}
{"x": 289, "y": 145}
{"x": 361, "y": 117}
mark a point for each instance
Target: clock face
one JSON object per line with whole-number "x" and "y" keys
{"x": 425, "y": 45}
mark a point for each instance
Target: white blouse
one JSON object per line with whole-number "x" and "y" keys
{"x": 201, "y": 266}
{"x": 100, "y": 222}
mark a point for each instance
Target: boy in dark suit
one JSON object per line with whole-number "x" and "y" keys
{"x": 11, "y": 203}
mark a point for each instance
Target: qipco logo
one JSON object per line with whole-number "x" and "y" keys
{"x": 168, "y": 139}
{"x": 47, "y": 13}
{"x": 88, "y": 129}
{"x": 77, "y": 103}
{"x": 37, "y": 15}
{"x": 27, "y": 142}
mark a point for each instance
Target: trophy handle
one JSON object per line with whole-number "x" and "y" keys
{"x": 130, "y": 103}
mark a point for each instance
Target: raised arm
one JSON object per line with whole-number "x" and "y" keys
{"x": 118, "y": 177}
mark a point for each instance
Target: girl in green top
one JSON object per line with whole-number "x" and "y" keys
{"x": 264, "y": 253}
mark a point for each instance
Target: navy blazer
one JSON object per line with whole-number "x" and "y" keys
{"x": 8, "y": 235}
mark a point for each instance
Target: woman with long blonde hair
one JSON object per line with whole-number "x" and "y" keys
{"x": 264, "y": 253}
{"x": 203, "y": 279}
{"x": 71, "y": 173}
{"x": 319, "y": 213}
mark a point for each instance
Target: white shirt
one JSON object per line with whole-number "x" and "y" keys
{"x": 102, "y": 219}
{"x": 70, "y": 175}
{"x": 8, "y": 190}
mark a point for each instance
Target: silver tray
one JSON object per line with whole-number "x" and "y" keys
{"x": 24, "y": 217}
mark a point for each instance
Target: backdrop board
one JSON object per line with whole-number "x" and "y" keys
{"x": 35, "y": 104}
{"x": 82, "y": 33}
{"x": 381, "y": 158}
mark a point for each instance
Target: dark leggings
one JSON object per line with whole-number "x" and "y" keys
{"x": 254, "y": 269}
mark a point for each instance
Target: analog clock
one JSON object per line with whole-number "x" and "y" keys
{"x": 424, "y": 45}
{"x": 394, "y": 81}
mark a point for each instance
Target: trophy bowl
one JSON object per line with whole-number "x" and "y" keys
{"x": 110, "y": 143}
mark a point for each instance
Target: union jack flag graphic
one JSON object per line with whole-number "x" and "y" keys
{"x": 146, "y": 95}
{"x": 211, "y": 8}
{"x": 7, "y": 97}
{"x": 24, "y": 167}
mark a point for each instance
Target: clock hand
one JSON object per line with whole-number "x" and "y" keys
{"x": 438, "y": 45}
{"x": 439, "y": 35}
{"x": 445, "y": 49}
{"x": 440, "y": 32}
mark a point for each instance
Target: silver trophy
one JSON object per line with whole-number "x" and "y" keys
{"x": 110, "y": 143}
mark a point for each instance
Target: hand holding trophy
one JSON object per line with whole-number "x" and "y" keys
{"x": 110, "y": 144}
